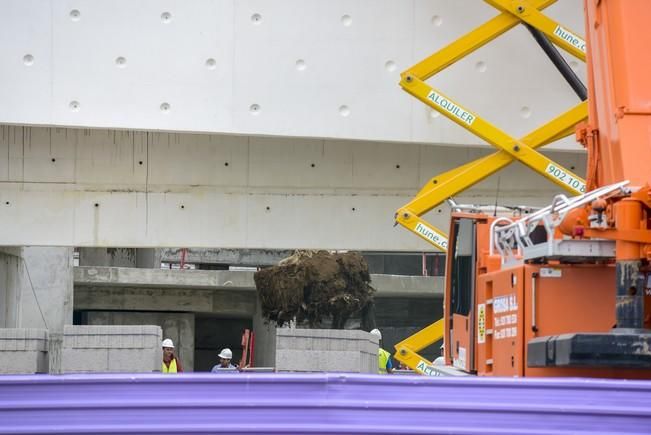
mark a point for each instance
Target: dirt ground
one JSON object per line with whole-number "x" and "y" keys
{"x": 311, "y": 286}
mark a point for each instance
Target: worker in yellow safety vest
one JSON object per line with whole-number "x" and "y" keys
{"x": 384, "y": 358}
{"x": 171, "y": 364}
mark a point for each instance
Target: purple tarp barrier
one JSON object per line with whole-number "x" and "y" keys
{"x": 319, "y": 404}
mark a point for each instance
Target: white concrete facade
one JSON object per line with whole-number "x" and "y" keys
{"x": 306, "y": 139}
{"x": 313, "y": 68}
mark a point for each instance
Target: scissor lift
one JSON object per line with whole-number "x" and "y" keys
{"x": 509, "y": 148}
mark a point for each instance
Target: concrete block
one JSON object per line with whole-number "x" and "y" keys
{"x": 84, "y": 360}
{"x": 133, "y": 360}
{"x": 309, "y": 350}
{"x": 23, "y": 350}
{"x": 115, "y": 348}
{"x": 8, "y": 344}
{"x": 150, "y": 330}
{"x": 321, "y": 361}
{"x": 130, "y": 341}
{"x": 106, "y": 340}
{"x": 23, "y": 362}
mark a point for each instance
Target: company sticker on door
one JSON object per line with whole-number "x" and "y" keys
{"x": 505, "y": 320}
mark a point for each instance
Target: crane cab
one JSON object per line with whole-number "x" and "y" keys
{"x": 502, "y": 317}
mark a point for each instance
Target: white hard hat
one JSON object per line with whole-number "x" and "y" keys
{"x": 226, "y": 354}
{"x": 377, "y": 332}
{"x": 168, "y": 343}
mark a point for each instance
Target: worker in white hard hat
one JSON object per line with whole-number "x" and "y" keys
{"x": 171, "y": 364}
{"x": 225, "y": 357}
{"x": 385, "y": 366}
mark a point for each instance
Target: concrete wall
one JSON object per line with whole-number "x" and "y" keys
{"x": 131, "y": 188}
{"x": 316, "y": 350}
{"x": 111, "y": 349}
{"x": 23, "y": 351}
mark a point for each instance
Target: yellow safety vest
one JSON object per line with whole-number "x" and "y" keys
{"x": 382, "y": 359}
{"x": 171, "y": 368}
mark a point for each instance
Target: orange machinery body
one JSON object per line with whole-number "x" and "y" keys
{"x": 508, "y": 307}
{"x": 618, "y": 136}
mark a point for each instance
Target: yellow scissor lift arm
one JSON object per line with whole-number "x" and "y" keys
{"x": 448, "y": 184}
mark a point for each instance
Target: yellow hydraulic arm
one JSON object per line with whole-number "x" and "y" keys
{"x": 407, "y": 350}
{"x": 443, "y": 186}
{"x": 509, "y": 149}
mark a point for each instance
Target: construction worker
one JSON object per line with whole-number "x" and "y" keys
{"x": 225, "y": 357}
{"x": 171, "y": 364}
{"x": 384, "y": 358}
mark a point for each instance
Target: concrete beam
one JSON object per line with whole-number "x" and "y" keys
{"x": 94, "y": 277}
{"x": 412, "y": 286}
{"x": 236, "y": 257}
{"x": 225, "y": 303}
{"x": 164, "y": 278}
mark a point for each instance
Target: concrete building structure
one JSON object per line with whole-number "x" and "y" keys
{"x": 203, "y": 311}
{"x": 244, "y": 130}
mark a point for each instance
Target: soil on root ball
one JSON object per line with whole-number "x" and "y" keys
{"x": 311, "y": 286}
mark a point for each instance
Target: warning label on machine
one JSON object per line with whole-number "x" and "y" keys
{"x": 481, "y": 323}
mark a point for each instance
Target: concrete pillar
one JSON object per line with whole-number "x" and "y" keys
{"x": 265, "y": 339}
{"x": 11, "y": 270}
{"x": 47, "y": 288}
{"x": 37, "y": 290}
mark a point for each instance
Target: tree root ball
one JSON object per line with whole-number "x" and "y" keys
{"x": 311, "y": 286}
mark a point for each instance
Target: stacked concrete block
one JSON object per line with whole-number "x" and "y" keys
{"x": 111, "y": 349}
{"x": 325, "y": 350}
{"x": 23, "y": 351}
